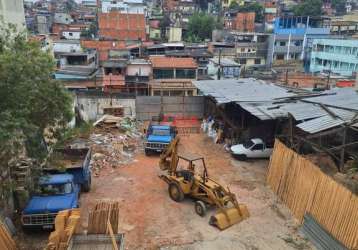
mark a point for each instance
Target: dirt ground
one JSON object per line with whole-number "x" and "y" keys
{"x": 151, "y": 220}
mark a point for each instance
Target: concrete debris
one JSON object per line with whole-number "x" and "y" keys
{"x": 114, "y": 143}
{"x": 107, "y": 121}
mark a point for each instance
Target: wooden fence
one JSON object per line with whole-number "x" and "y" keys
{"x": 304, "y": 188}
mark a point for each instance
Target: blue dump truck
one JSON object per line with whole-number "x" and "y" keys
{"x": 158, "y": 137}
{"x": 59, "y": 188}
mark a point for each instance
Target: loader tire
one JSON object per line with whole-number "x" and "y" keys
{"x": 175, "y": 192}
{"x": 200, "y": 208}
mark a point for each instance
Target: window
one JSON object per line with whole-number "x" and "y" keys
{"x": 55, "y": 189}
{"x": 242, "y": 61}
{"x": 258, "y": 147}
{"x": 176, "y": 93}
{"x": 189, "y": 93}
{"x": 257, "y": 61}
{"x": 160, "y": 132}
{"x": 163, "y": 73}
{"x": 280, "y": 57}
{"x": 248, "y": 144}
{"x": 185, "y": 73}
{"x": 282, "y": 43}
{"x": 70, "y": 34}
{"x": 156, "y": 92}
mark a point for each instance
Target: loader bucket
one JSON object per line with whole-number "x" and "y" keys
{"x": 229, "y": 217}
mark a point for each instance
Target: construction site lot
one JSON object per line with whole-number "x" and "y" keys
{"x": 148, "y": 217}
{"x": 151, "y": 220}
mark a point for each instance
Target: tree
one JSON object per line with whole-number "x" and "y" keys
{"x": 91, "y": 32}
{"x": 308, "y": 8}
{"x": 254, "y": 7}
{"x": 200, "y": 27}
{"x": 339, "y": 6}
{"x": 233, "y": 5}
{"x": 31, "y": 101}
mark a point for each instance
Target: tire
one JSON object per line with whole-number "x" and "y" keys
{"x": 242, "y": 157}
{"x": 175, "y": 192}
{"x": 87, "y": 186}
{"x": 200, "y": 208}
{"x": 147, "y": 152}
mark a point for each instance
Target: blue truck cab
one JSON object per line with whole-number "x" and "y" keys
{"x": 59, "y": 188}
{"x": 158, "y": 137}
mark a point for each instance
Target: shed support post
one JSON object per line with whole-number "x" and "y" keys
{"x": 341, "y": 165}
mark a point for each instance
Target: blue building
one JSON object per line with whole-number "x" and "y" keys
{"x": 335, "y": 55}
{"x": 292, "y": 38}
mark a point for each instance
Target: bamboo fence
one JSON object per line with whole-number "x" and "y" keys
{"x": 304, "y": 188}
{"x": 104, "y": 213}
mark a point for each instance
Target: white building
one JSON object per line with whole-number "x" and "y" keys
{"x": 66, "y": 46}
{"x": 12, "y": 11}
{"x": 71, "y": 34}
{"x": 63, "y": 18}
{"x": 125, "y": 6}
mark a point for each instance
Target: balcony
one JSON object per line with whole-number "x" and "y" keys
{"x": 136, "y": 79}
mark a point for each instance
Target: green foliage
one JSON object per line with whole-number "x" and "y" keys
{"x": 91, "y": 32}
{"x": 308, "y": 8}
{"x": 30, "y": 99}
{"x": 82, "y": 131}
{"x": 254, "y": 7}
{"x": 70, "y": 5}
{"x": 233, "y": 5}
{"x": 339, "y": 6}
{"x": 200, "y": 27}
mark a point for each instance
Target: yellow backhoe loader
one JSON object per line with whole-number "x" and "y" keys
{"x": 186, "y": 182}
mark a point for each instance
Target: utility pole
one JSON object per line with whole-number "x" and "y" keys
{"x": 286, "y": 80}
{"x": 219, "y": 69}
{"x": 329, "y": 75}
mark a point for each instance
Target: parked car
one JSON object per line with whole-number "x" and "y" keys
{"x": 59, "y": 188}
{"x": 253, "y": 148}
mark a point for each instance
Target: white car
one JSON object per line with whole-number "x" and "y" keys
{"x": 254, "y": 148}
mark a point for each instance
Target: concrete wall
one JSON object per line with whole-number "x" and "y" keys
{"x": 72, "y": 34}
{"x": 149, "y": 106}
{"x": 12, "y": 11}
{"x": 140, "y": 69}
{"x": 65, "y": 47}
{"x": 90, "y": 106}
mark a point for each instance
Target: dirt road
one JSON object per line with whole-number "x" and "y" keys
{"x": 151, "y": 220}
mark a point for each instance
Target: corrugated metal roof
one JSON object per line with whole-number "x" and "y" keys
{"x": 339, "y": 97}
{"x": 327, "y": 121}
{"x": 299, "y": 110}
{"x": 241, "y": 90}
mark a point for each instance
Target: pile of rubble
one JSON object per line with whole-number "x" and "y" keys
{"x": 114, "y": 142}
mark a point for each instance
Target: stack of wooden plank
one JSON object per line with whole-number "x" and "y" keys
{"x": 65, "y": 225}
{"x": 6, "y": 242}
{"x": 103, "y": 213}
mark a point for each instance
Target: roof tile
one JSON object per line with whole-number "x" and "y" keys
{"x": 173, "y": 62}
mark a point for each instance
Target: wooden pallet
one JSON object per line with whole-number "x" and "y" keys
{"x": 6, "y": 242}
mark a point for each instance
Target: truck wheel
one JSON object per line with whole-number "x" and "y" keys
{"x": 200, "y": 208}
{"x": 175, "y": 192}
{"x": 147, "y": 152}
{"x": 87, "y": 186}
